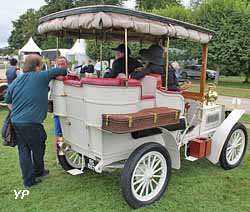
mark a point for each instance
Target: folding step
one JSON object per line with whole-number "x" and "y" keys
{"x": 190, "y": 158}
{"x": 75, "y": 171}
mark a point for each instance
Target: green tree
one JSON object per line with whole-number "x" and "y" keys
{"x": 24, "y": 28}
{"x": 195, "y": 3}
{"x": 229, "y": 49}
{"x": 79, "y": 3}
{"x": 176, "y": 12}
{"x": 150, "y": 5}
{"x": 93, "y": 49}
{"x": 184, "y": 50}
{"x": 52, "y": 6}
{"x": 5, "y": 51}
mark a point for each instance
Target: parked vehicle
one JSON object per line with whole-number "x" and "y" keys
{"x": 194, "y": 71}
{"x": 105, "y": 121}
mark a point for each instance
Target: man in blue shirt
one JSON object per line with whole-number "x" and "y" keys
{"x": 28, "y": 95}
{"x": 12, "y": 72}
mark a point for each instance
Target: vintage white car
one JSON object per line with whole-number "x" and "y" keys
{"x": 146, "y": 155}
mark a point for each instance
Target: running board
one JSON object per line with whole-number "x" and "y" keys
{"x": 75, "y": 171}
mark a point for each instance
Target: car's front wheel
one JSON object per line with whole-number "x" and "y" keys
{"x": 234, "y": 148}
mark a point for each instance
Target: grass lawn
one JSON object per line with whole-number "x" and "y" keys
{"x": 245, "y": 118}
{"x": 227, "y": 86}
{"x": 197, "y": 187}
{"x": 233, "y": 86}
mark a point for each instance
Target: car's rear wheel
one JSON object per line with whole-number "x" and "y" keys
{"x": 146, "y": 175}
{"x": 71, "y": 160}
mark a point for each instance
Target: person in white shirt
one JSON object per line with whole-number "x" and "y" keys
{"x": 98, "y": 68}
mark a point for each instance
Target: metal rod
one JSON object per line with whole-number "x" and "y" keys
{"x": 126, "y": 55}
{"x": 203, "y": 69}
{"x": 101, "y": 58}
{"x": 167, "y": 62}
{"x": 57, "y": 46}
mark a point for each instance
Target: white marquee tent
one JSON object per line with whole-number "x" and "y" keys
{"x": 30, "y": 47}
{"x": 78, "y": 52}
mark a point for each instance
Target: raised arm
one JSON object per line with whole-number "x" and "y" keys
{"x": 50, "y": 74}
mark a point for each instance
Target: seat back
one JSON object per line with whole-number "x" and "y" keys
{"x": 159, "y": 79}
{"x": 149, "y": 85}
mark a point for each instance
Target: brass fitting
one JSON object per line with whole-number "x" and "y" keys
{"x": 63, "y": 146}
{"x": 211, "y": 95}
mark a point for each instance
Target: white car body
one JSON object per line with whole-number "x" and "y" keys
{"x": 80, "y": 109}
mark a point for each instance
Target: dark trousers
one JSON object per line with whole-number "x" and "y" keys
{"x": 98, "y": 73}
{"x": 30, "y": 139}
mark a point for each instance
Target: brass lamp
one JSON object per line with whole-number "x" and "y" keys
{"x": 211, "y": 95}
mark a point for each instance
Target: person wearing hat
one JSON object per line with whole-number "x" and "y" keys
{"x": 155, "y": 63}
{"x": 119, "y": 63}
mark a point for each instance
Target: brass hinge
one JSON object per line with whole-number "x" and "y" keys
{"x": 176, "y": 115}
{"x": 64, "y": 94}
{"x": 107, "y": 119}
{"x": 130, "y": 121}
{"x": 155, "y": 117}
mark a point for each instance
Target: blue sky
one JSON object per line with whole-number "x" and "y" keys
{"x": 11, "y": 9}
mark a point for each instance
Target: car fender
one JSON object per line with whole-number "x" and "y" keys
{"x": 3, "y": 84}
{"x": 221, "y": 134}
{"x": 172, "y": 147}
{"x": 2, "y": 88}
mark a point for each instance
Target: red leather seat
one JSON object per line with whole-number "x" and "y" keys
{"x": 110, "y": 82}
{"x": 133, "y": 83}
{"x": 67, "y": 77}
{"x": 76, "y": 83}
{"x": 72, "y": 77}
{"x": 147, "y": 97}
{"x": 102, "y": 81}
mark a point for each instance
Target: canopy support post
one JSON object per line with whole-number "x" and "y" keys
{"x": 101, "y": 58}
{"x": 126, "y": 55}
{"x": 167, "y": 61}
{"x": 101, "y": 52}
{"x": 57, "y": 46}
{"x": 203, "y": 69}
